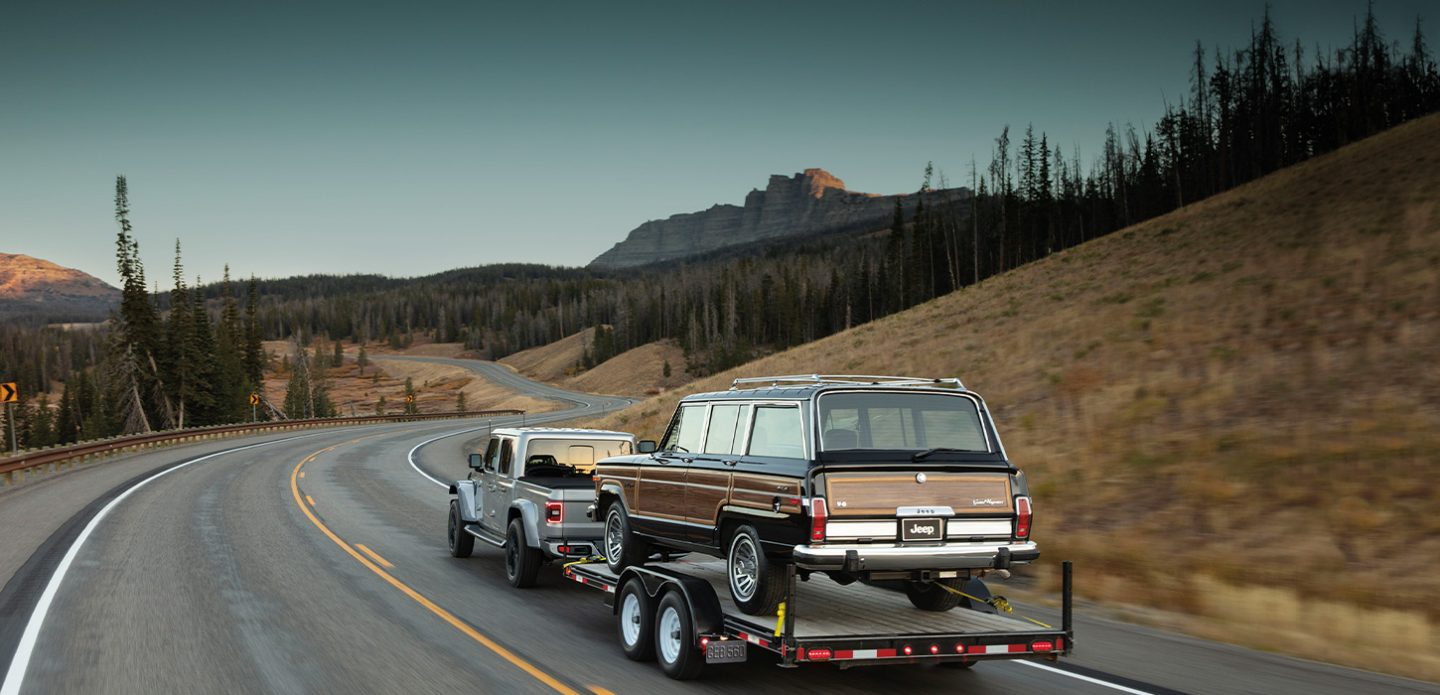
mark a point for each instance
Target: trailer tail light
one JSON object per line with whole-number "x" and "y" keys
{"x": 817, "y": 655}
{"x": 554, "y": 512}
{"x": 1042, "y": 646}
{"x": 1022, "y": 518}
{"x": 908, "y": 651}
{"x": 959, "y": 649}
{"x": 819, "y": 516}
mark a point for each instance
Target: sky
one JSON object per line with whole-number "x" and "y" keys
{"x": 407, "y": 138}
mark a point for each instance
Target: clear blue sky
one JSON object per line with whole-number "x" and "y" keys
{"x": 412, "y": 137}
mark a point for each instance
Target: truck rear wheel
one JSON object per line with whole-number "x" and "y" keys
{"x": 522, "y": 562}
{"x": 635, "y": 620}
{"x": 932, "y": 596}
{"x": 462, "y": 544}
{"x": 622, "y": 548}
{"x": 756, "y": 583}
{"x": 675, "y": 645}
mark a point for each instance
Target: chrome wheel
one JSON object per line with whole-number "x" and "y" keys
{"x": 744, "y": 561}
{"x": 614, "y": 535}
{"x": 630, "y": 619}
{"x": 668, "y": 635}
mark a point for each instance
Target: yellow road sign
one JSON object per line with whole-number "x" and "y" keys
{"x": 409, "y": 398}
{"x": 254, "y": 399}
{"x": 9, "y": 393}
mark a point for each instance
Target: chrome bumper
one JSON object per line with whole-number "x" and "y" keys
{"x": 891, "y": 556}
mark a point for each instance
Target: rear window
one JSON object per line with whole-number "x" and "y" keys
{"x": 900, "y": 421}
{"x": 579, "y": 454}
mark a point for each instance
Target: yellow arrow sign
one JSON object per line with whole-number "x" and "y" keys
{"x": 9, "y": 393}
{"x": 410, "y": 398}
{"x": 254, "y": 399}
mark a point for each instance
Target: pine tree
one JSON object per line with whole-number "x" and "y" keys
{"x": 362, "y": 360}
{"x": 254, "y": 352}
{"x": 460, "y": 401}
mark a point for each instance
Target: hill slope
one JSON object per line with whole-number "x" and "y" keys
{"x": 1241, "y": 393}
{"x": 34, "y": 286}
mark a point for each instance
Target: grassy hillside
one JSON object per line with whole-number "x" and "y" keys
{"x": 555, "y": 361}
{"x": 636, "y": 372}
{"x": 1232, "y": 411}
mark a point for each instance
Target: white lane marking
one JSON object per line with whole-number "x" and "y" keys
{"x": 1087, "y": 679}
{"x": 15, "y": 676}
{"x": 411, "y": 457}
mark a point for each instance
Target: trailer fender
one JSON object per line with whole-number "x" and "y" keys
{"x": 464, "y": 491}
{"x": 530, "y": 519}
{"x": 699, "y": 596}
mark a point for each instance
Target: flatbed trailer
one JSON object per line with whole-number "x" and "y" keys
{"x": 681, "y": 613}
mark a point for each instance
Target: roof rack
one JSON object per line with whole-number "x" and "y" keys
{"x": 846, "y": 379}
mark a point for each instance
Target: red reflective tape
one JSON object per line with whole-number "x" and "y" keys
{"x": 844, "y": 654}
{"x": 1019, "y": 648}
{"x": 1059, "y": 645}
{"x": 884, "y": 653}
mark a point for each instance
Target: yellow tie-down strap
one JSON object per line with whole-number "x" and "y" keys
{"x": 780, "y": 619}
{"x": 998, "y": 602}
{"x": 583, "y": 561}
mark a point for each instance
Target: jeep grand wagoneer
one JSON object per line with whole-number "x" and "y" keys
{"x": 861, "y": 477}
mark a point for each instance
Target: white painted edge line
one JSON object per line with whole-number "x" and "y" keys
{"x": 15, "y": 676}
{"x": 411, "y": 458}
{"x": 1077, "y": 676}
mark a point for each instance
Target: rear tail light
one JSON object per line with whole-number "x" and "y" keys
{"x": 817, "y": 655}
{"x": 819, "y": 515}
{"x": 1042, "y": 646}
{"x": 908, "y": 650}
{"x": 554, "y": 512}
{"x": 1022, "y": 517}
{"x": 934, "y": 649}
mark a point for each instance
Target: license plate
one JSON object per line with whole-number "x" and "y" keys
{"x": 729, "y": 651}
{"x": 922, "y": 530}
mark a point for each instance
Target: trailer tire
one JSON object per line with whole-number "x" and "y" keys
{"x": 675, "y": 644}
{"x": 622, "y": 548}
{"x": 757, "y": 583}
{"x": 522, "y": 562}
{"x": 928, "y": 596}
{"x": 462, "y": 544}
{"x": 635, "y": 621}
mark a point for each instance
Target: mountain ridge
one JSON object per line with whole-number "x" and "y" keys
{"x": 32, "y": 286}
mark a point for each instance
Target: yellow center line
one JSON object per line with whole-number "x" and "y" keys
{"x": 302, "y": 475}
{"x": 375, "y": 556}
{"x": 599, "y": 690}
{"x": 416, "y": 596}
{"x": 310, "y": 499}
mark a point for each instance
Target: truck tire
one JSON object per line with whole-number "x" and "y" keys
{"x": 522, "y": 562}
{"x": 757, "y": 583}
{"x": 622, "y": 548}
{"x": 635, "y": 621}
{"x": 462, "y": 544}
{"x": 929, "y": 596}
{"x": 675, "y": 644}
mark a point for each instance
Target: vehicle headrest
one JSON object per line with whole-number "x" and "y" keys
{"x": 841, "y": 439}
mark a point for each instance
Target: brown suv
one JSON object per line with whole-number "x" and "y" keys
{"x": 861, "y": 477}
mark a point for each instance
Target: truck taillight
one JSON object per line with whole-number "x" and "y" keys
{"x": 554, "y": 512}
{"x": 819, "y": 515}
{"x": 1022, "y": 517}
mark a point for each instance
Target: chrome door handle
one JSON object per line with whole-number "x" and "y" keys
{"x": 731, "y": 463}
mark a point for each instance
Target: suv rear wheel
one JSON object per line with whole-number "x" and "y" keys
{"x": 622, "y": 548}
{"x": 933, "y": 596}
{"x": 756, "y": 583}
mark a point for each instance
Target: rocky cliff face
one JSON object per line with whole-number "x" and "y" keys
{"x": 37, "y": 287}
{"x": 809, "y": 203}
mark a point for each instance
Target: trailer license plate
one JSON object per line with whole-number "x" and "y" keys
{"x": 728, "y": 651}
{"x": 922, "y": 530}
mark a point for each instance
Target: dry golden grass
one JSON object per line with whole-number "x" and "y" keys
{"x": 639, "y": 372}
{"x": 1242, "y": 393}
{"x": 554, "y": 362}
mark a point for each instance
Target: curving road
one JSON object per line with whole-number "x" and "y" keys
{"x": 317, "y": 563}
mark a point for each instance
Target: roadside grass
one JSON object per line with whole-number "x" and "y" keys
{"x": 1236, "y": 399}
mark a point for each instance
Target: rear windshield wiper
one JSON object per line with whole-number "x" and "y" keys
{"x": 922, "y": 455}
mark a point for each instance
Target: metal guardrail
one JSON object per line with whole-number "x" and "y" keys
{"x": 58, "y": 457}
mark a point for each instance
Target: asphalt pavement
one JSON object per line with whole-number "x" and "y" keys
{"x": 317, "y": 563}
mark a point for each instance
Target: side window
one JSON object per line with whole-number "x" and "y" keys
{"x": 491, "y": 452}
{"x": 724, "y": 423}
{"x": 507, "y": 455}
{"x": 777, "y": 432}
{"x": 684, "y": 434}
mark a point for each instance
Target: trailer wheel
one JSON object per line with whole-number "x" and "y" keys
{"x": 756, "y": 583}
{"x": 931, "y": 596}
{"x": 635, "y": 621}
{"x": 461, "y": 543}
{"x": 675, "y": 645}
{"x": 522, "y": 562}
{"x": 622, "y": 548}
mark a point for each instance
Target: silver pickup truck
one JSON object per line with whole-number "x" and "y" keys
{"x": 529, "y": 494}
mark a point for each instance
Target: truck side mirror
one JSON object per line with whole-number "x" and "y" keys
{"x": 647, "y": 446}
{"x": 476, "y": 461}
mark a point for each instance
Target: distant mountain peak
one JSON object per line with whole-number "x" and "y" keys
{"x": 32, "y": 286}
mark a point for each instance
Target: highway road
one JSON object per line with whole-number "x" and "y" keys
{"x": 316, "y": 562}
